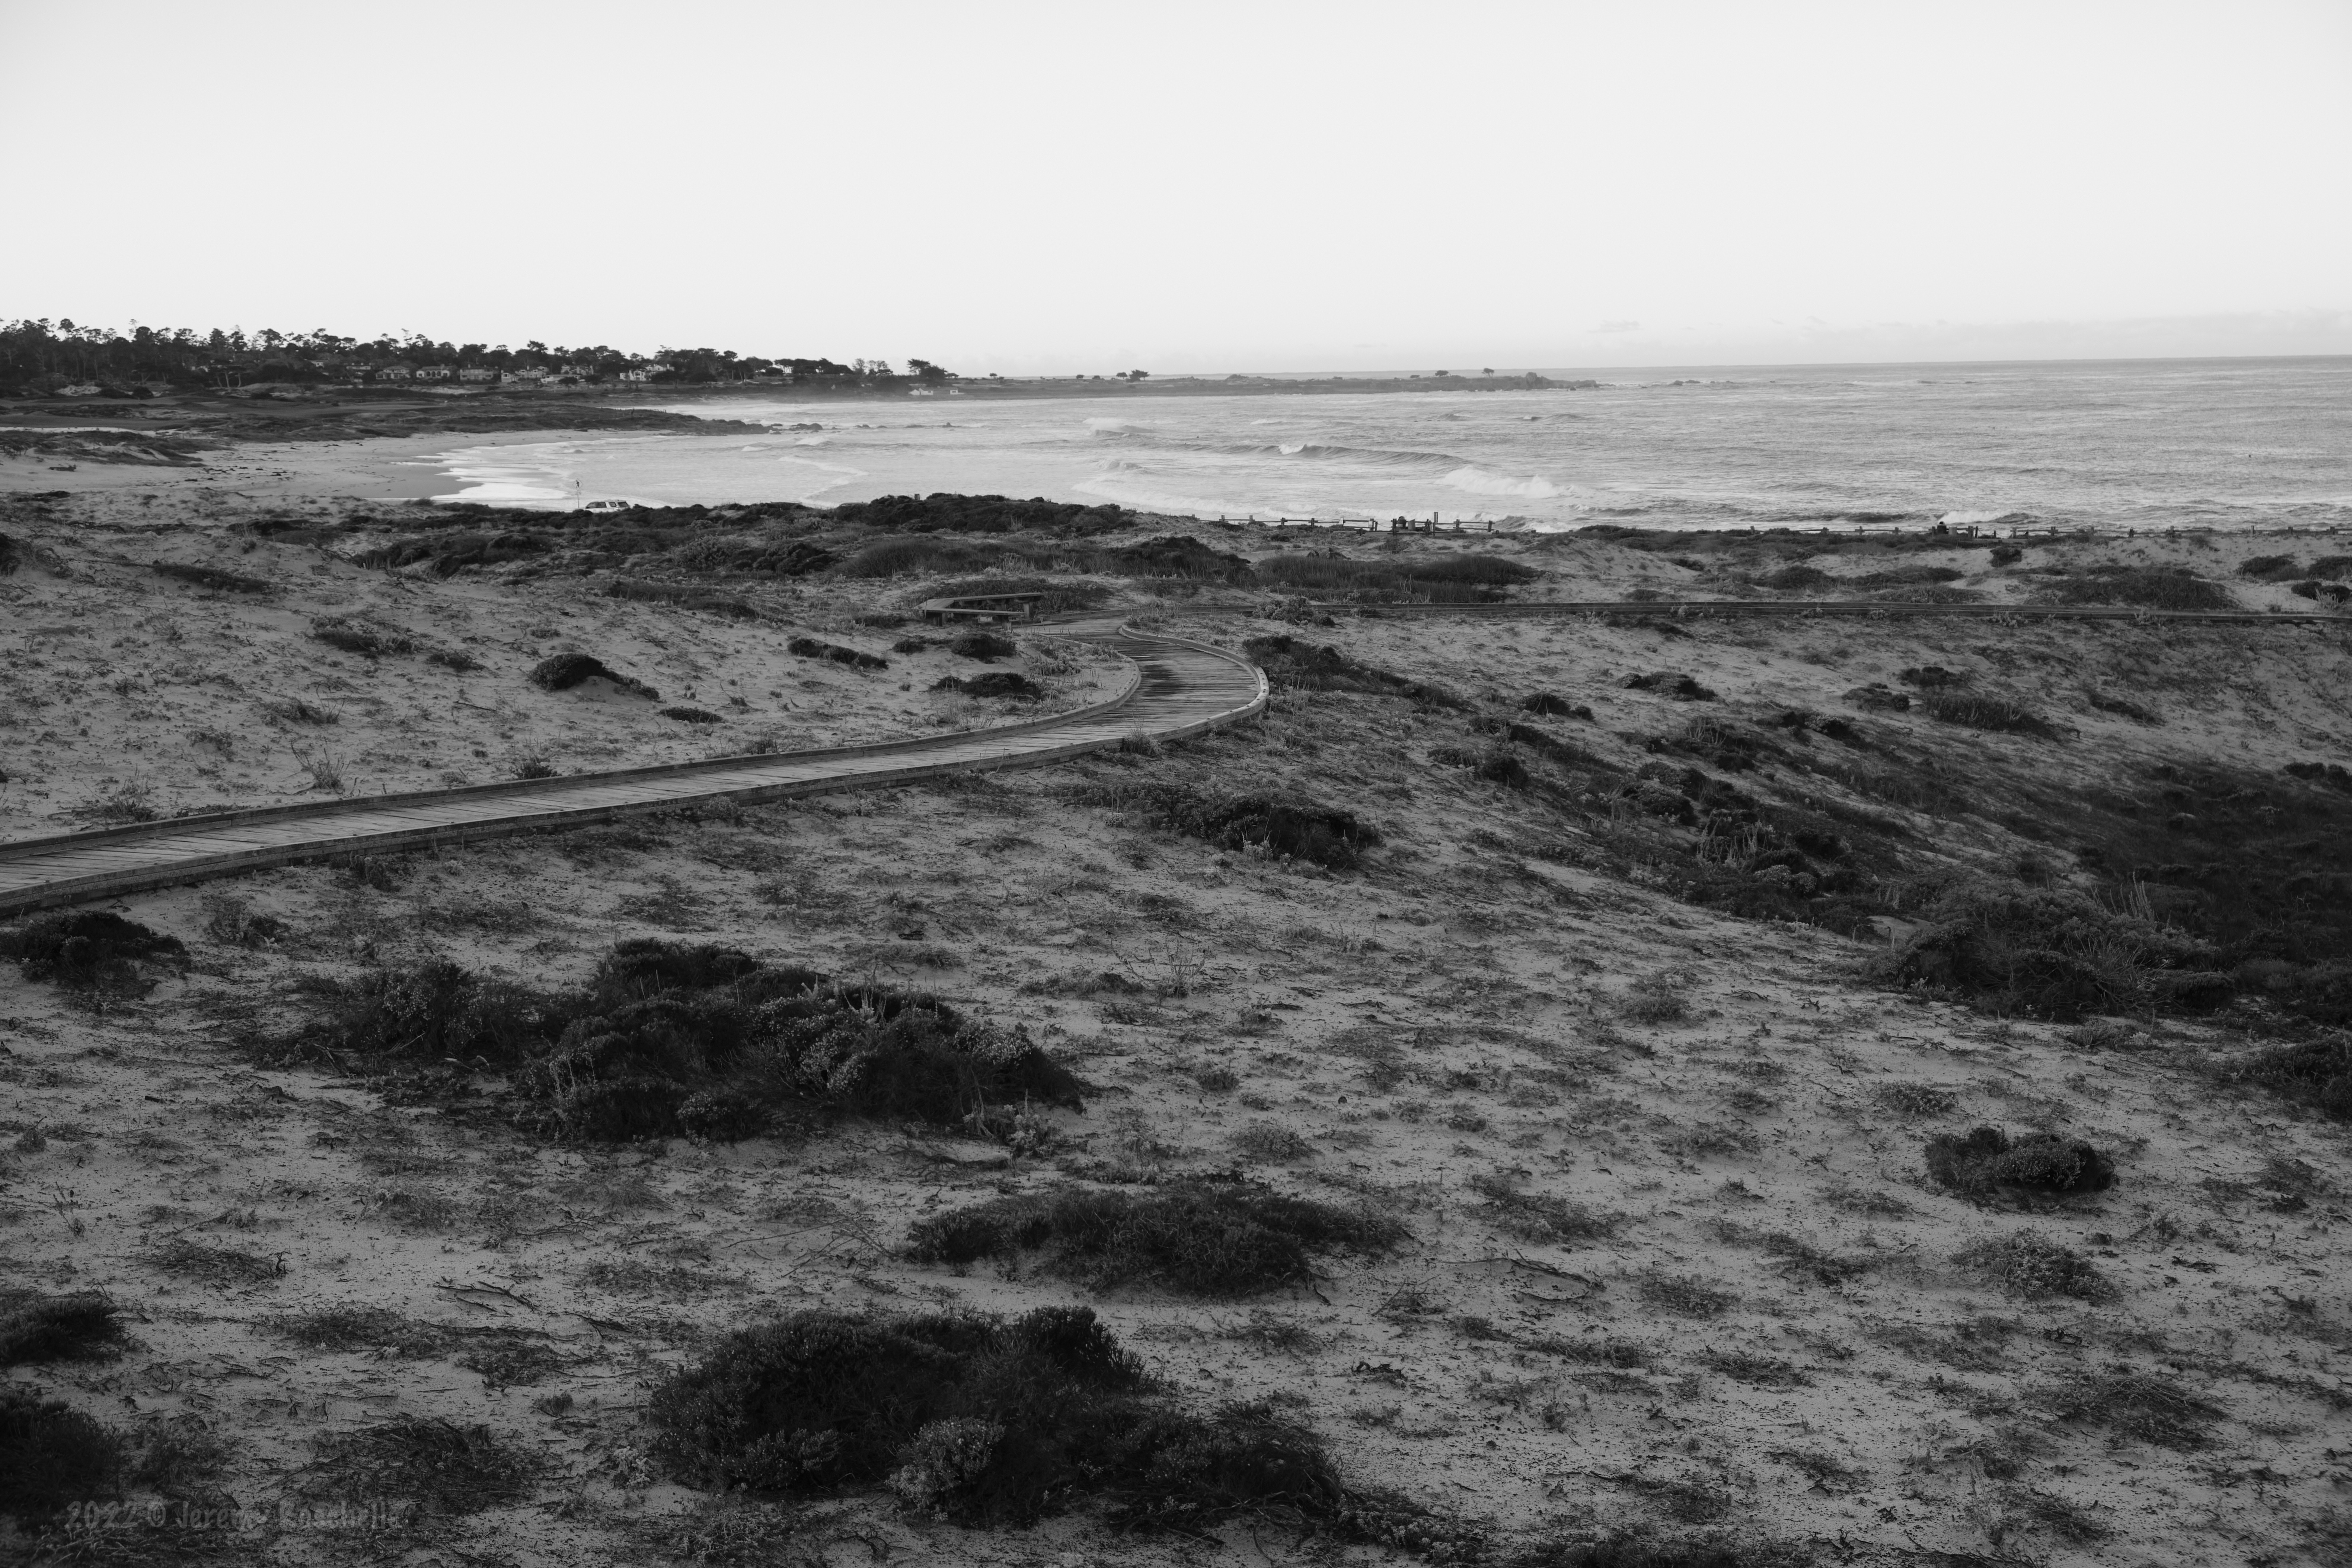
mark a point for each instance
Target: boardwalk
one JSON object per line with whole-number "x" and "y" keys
{"x": 1179, "y": 688}
{"x": 1867, "y": 609}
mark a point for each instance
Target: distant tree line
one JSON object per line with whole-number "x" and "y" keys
{"x": 38, "y": 356}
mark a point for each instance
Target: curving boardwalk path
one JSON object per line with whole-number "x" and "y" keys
{"x": 1178, "y": 688}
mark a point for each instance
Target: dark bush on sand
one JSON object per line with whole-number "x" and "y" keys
{"x": 810, "y": 648}
{"x": 1670, "y": 683}
{"x": 2147, "y": 587}
{"x": 1550, "y": 705}
{"x": 565, "y": 671}
{"x": 1446, "y": 579}
{"x": 944, "y": 513}
{"x": 2317, "y": 1072}
{"x": 2054, "y": 954}
{"x": 995, "y": 684}
{"x": 1291, "y": 664}
{"x": 211, "y": 577}
{"x": 36, "y": 1331}
{"x": 978, "y": 1420}
{"x": 976, "y": 644}
{"x": 52, "y": 1456}
{"x": 85, "y": 947}
{"x": 1986, "y": 1159}
{"x": 1202, "y": 1238}
{"x": 1300, "y": 828}
{"x": 668, "y": 1039}
{"x": 366, "y": 638}
{"x": 690, "y": 715}
{"x": 1984, "y": 711}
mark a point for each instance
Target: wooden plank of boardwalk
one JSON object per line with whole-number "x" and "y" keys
{"x": 1179, "y": 687}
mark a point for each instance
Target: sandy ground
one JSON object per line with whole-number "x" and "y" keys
{"x": 1778, "y": 1339}
{"x": 134, "y": 695}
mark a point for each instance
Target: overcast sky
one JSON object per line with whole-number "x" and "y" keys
{"x": 1025, "y": 188}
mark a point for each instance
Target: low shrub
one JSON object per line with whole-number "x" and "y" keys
{"x": 911, "y": 645}
{"x": 994, "y": 683}
{"x": 944, "y": 513}
{"x": 1270, "y": 1143}
{"x": 690, "y": 715}
{"x": 2146, "y": 587}
{"x": 667, "y": 1039}
{"x": 456, "y": 659}
{"x": 978, "y": 1420}
{"x": 1986, "y": 1159}
{"x": 903, "y": 556}
{"x": 857, "y": 659}
{"x": 36, "y": 1331}
{"x": 1291, "y": 664}
{"x": 368, "y": 638}
{"x": 2317, "y": 1072}
{"x": 1303, "y": 829}
{"x": 2037, "y": 1268}
{"x": 564, "y": 671}
{"x": 2052, "y": 953}
{"x": 2140, "y": 1406}
{"x": 83, "y": 949}
{"x": 1537, "y": 1217}
{"x": 1984, "y": 711}
{"x": 2270, "y": 568}
{"x": 1879, "y": 698}
{"x": 444, "y": 1468}
{"x": 211, "y": 577}
{"x": 1667, "y": 684}
{"x": 1550, "y": 705}
{"x": 976, "y": 644}
{"x": 1442, "y": 580}
{"x": 1643, "y": 1552}
{"x": 1790, "y": 579}
{"x": 52, "y": 1456}
{"x": 685, "y": 595}
{"x": 1200, "y": 1238}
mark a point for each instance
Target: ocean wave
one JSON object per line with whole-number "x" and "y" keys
{"x": 1486, "y": 481}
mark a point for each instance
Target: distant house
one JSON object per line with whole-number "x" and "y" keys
{"x": 477, "y": 373}
{"x": 527, "y": 373}
{"x": 394, "y": 372}
{"x": 636, "y": 374}
{"x": 433, "y": 373}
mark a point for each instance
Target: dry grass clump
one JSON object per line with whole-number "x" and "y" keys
{"x": 1271, "y": 1142}
{"x": 2037, "y": 1268}
{"x": 1538, "y": 1216}
{"x": 2317, "y": 1071}
{"x": 1200, "y": 1238}
{"x": 361, "y": 1328}
{"x": 690, "y": 715}
{"x": 222, "y": 1267}
{"x": 980, "y": 1421}
{"x": 1686, "y": 1298}
{"x": 1672, "y": 683}
{"x": 668, "y": 1039}
{"x": 1302, "y": 830}
{"x": 1986, "y": 1159}
{"x": 52, "y": 1456}
{"x": 37, "y": 1331}
{"x": 2138, "y": 1406}
{"x": 440, "y": 1465}
{"x": 87, "y": 949}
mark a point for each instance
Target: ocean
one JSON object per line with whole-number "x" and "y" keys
{"x": 2224, "y": 444}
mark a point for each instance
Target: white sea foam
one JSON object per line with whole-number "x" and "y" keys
{"x": 1479, "y": 482}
